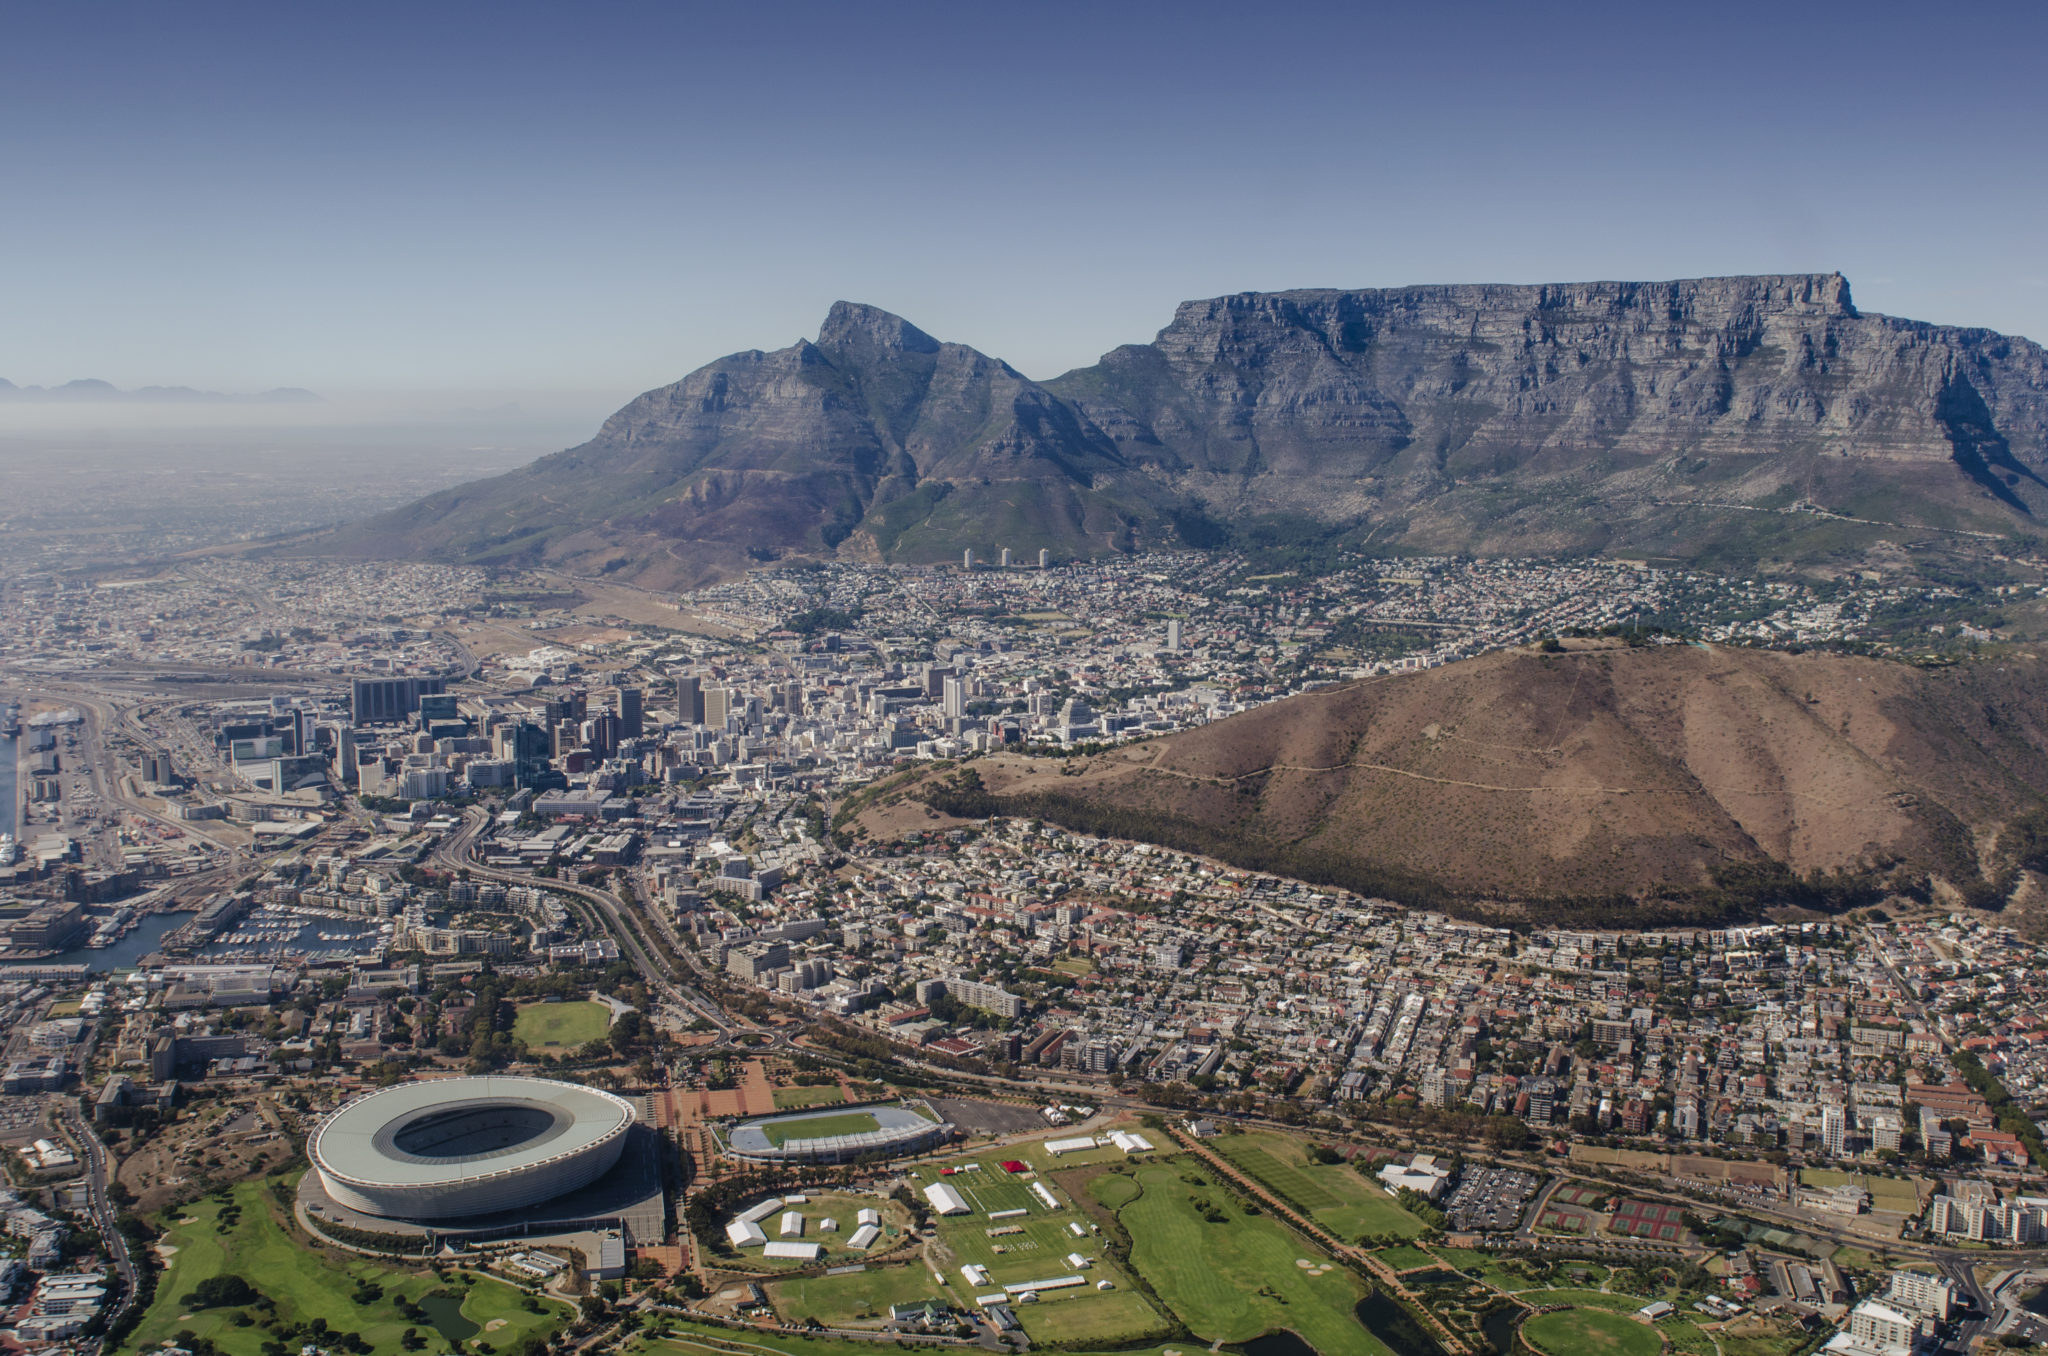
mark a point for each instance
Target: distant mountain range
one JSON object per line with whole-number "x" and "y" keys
{"x": 91, "y": 391}
{"x": 1719, "y": 420}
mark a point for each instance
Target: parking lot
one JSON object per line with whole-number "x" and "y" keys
{"x": 1489, "y": 1200}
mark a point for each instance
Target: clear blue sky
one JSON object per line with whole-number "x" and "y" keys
{"x": 603, "y": 196}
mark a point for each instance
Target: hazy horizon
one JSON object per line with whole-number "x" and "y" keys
{"x": 605, "y": 198}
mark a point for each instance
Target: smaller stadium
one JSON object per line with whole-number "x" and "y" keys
{"x": 838, "y": 1134}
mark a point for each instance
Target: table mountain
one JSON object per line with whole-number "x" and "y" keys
{"x": 1716, "y": 418}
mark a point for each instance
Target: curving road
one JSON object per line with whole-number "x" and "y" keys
{"x": 457, "y": 850}
{"x": 115, "y": 1241}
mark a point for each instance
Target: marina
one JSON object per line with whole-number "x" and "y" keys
{"x": 287, "y": 932}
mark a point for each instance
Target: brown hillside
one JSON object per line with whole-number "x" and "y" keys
{"x": 1601, "y": 770}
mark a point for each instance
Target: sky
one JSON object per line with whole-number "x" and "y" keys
{"x": 598, "y": 198}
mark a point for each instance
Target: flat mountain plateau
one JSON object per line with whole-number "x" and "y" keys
{"x": 1656, "y": 783}
{"x": 1728, "y": 422}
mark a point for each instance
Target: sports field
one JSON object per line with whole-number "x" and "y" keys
{"x": 305, "y": 1284}
{"x": 560, "y": 1026}
{"x": 1679, "y": 1330}
{"x": 1591, "y": 1332}
{"x": 1037, "y": 1250}
{"x": 1657, "y": 1220}
{"x": 780, "y": 1133}
{"x": 1886, "y": 1193}
{"x": 1334, "y": 1194}
{"x": 1235, "y": 1276}
{"x": 858, "y": 1300}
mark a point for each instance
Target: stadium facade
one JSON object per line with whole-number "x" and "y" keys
{"x": 898, "y": 1130}
{"x": 454, "y": 1148}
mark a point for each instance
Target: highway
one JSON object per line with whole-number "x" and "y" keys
{"x": 96, "y": 1196}
{"x": 457, "y": 851}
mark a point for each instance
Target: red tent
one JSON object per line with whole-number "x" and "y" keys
{"x": 1014, "y": 1166}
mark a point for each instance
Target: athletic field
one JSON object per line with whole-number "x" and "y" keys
{"x": 560, "y": 1026}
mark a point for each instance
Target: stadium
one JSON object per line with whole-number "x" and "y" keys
{"x": 461, "y": 1147}
{"x": 838, "y": 1134}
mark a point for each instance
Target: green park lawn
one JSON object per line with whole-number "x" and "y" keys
{"x": 1238, "y": 1277}
{"x": 1591, "y": 1332}
{"x": 560, "y": 1026}
{"x": 855, "y": 1300}
{"x": 820, "y": 1127}
{"x": 307, "y": 1282}
{"x": 795, "y": 1099}
{"x": 1488, "y": 1265}
{"x": 1336, "y": 1195}
{"x": 1752, "y": 1336}
{"x": 688, "y": 1338}
{"x": 1089, "y": 1316}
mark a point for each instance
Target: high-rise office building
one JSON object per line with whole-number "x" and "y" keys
{"x": 967, "y": 559}
{"x": 384, "y": 701}
{"x": 1006, "y": 557}
{"x": 953, "y": 698}
{"x": 718, "y": 704}
{"x": 1173, "y": 633}
{"x": 632, "y": 719}
{"x": 439, "y": 706}
{"x": 690, "y": 699}
{"x": 1044, "y": 558}
{"x": 601, "y": 734}
{"x": 525, "y": 746}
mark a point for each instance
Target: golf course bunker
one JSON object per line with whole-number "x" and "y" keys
{"x": 838, "y": 1134}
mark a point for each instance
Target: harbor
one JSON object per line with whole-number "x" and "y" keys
{"x": 292, "y": 933}
{"x": 144, "y": 933}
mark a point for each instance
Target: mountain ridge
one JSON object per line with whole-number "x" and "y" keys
{"x": 1676, "y": 776}
{"x": 1481, "y": 418}
{"x": 92, "y": 390}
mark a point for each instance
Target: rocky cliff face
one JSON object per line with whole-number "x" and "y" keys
{"x": 1677, "y": 418}
{"x": 1642, "y": 393}
{"x": 876, "y": 441}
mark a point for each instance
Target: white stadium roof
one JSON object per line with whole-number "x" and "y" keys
{"x": 449, "y": 1147}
